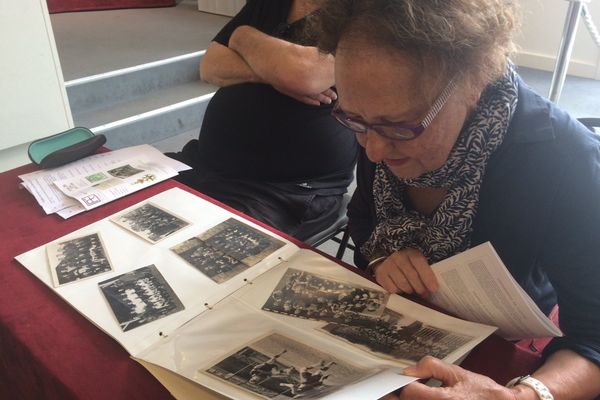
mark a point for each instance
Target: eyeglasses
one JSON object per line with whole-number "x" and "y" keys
{"x": 396, "y": 131}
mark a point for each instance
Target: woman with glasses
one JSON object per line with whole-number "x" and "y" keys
{"x": 459, "y": 151}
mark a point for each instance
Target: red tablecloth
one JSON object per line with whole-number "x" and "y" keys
{"x": 57, "y": 6}
{"x": 49, "y": 351}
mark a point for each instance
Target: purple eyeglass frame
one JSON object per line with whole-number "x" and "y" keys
{"x": 402, "y": 130}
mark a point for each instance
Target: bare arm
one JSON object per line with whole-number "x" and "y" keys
{"x": 222, "y": 66}
{"x": 292, "y": 68}
{"x": 568, "y": 375}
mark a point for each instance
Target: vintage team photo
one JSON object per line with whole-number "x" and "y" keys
{"x": 77, "y": 259}
{"x": 278, "y": 367}
{"x": 139, "y": 297}
{"x": 398, "y": 337}
{"x": 211, "y": 262}
{"x": 305, "y": 295}
{"x": 150, "y": 222}
{"x": 241, "y": 241}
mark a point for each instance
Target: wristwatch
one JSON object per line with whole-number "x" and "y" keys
{"x": 540, "y": 389}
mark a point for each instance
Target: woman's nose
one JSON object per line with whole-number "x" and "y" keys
{"x": 376, "y": 146}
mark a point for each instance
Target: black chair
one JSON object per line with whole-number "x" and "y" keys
{"x": 331, "y": 233}
{"x": 591, "y": 123}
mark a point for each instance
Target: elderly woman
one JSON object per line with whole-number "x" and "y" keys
{"x": 459, "y": 151}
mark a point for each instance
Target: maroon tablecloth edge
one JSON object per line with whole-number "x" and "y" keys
{"x": 59, "y": 6}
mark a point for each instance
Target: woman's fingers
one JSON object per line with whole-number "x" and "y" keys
{"x": 407, "y": 271}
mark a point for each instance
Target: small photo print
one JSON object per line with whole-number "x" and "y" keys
{"x": 124, "y": 171}
{"x": 77, "y": 259}
{"x": 277, "y": 367}
{"x": 96, "y": 177}
{"x": 150, "y": 222}
{"x": 302, "y": 294}
{"x": 398, "y": 337}
{"x": 241, "y": 241}
{"x": 139, "y": 297}
{"x": 213, "y": 263}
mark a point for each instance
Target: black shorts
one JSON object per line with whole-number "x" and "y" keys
{"x": 301, "y": 213}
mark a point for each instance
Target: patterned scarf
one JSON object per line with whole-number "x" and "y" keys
{"x": 448, "y": 230}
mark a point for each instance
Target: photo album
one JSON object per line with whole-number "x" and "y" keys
{"x": 192, "y": 288}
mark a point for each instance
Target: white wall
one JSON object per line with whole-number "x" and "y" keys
{"x": 223, "y": 7}
{"x": 33, "y": 101}
{"x": 539, "y": 41}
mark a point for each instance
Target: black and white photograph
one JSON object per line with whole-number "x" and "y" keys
{"x": 398, "y": 337}
{"x": 211, "y": 262}
{"x": 241, "y": 241}
{"x": 124, "y": 171}
{"x": 150, "y": 222}
{"x": 139, "y": 297}
{"x": 278, "y": 367}
{"x": 302, "y": 294}
{"x": 77, "y": 259}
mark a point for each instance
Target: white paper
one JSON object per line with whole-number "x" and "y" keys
{"x": 102, "y": 186}
{"x": 40, "y": 183}
{"x": 476, "y": 285}
{"x": 128, "y": 252}
{"x": 375, "y": 387}
{"x": 259, "y": 291}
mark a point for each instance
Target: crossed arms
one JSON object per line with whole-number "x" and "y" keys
{"x": 301, "y": 72}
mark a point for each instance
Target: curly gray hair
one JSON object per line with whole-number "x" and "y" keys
{"x": 471, "y": 39}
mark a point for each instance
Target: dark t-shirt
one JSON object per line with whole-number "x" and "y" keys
{"x": 252, "y": 131}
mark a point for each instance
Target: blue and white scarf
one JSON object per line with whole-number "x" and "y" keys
{"x": 448, "y": 230}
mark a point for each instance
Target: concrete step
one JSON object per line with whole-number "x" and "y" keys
{"x": 133, "y": 106}
{"x": 160, "y": 125}
{"x": 104, "y": 90}
{"x": 149, "y": 103}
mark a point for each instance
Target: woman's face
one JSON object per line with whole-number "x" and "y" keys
{"x": 375, "y": 86}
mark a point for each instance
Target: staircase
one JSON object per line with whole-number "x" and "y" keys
{"x": 160, "y": 103}
{"x": 132, "y": 74}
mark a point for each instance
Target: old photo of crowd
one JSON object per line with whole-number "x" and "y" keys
{"x": 278, "y": 367}
{"x": 241, "y": 241}
{"x": 124, "y": 171}
{"x": 77, "y": 259}
{"x": 302, "y": 294}
{"x": 150, "y": 222}
{"x": 227, "y": 249}
{"x": 398, "y": 337}
{"x": 139, "y": 297}
{"x": 211, "y": 262}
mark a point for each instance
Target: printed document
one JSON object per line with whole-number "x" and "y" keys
{"x": 475, "y": 285}
{"x": 41, "y": 183}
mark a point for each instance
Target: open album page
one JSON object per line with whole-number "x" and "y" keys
{"x": 141, "y": 273}
{"x": 311, "y": 328}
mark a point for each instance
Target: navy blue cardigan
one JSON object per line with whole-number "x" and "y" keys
{"x": 539, "y": 206}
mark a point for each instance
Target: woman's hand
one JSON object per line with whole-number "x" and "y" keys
{"x": 406, "y": 271}
{"x": 326, "y": 97}
{"x": 457, "y": 383}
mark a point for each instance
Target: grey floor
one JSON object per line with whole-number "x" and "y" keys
{"x": 90, "y": 43}
{"x": 94, "y": 42}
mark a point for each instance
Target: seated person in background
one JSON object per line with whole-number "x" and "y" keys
{"x": 459, "y": 151}
{"x": 268, "y": 146}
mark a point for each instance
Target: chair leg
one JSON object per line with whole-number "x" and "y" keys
{"x": 343, "y": 244}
